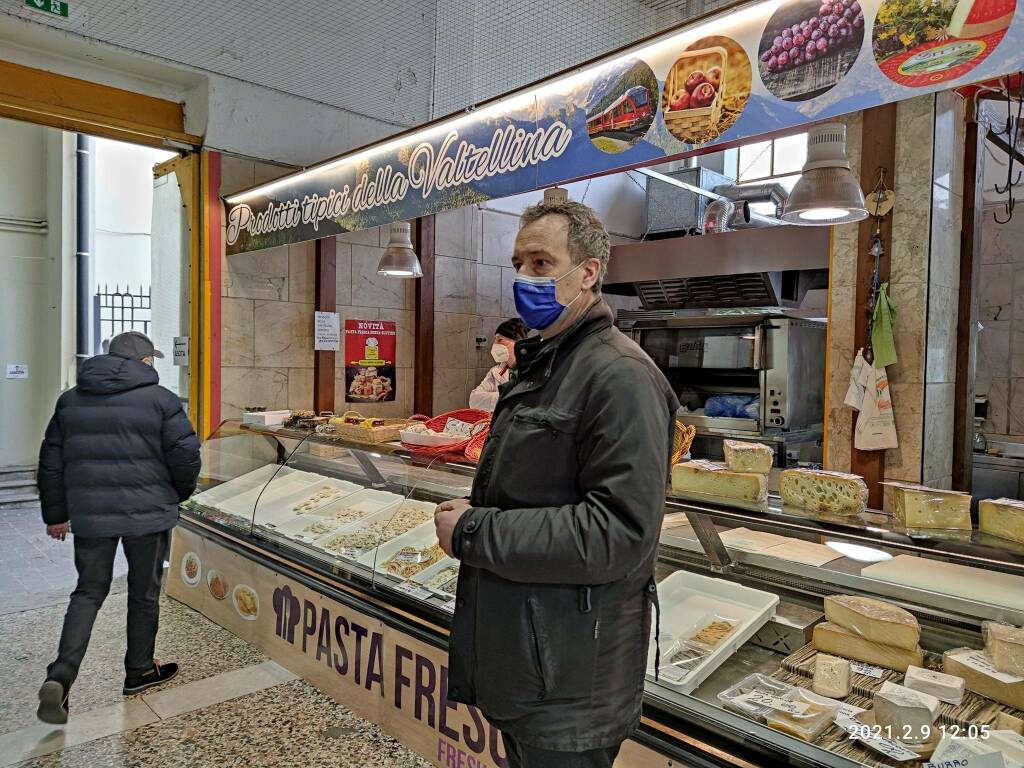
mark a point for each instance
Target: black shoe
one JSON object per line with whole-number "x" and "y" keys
{"x": 158, "y": 674}
{"x": 53, "y": 703}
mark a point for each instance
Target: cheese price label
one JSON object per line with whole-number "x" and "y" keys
{"x": 771, "y": 701}
{"x": 866, "y": 669}
{"x": 458, "y": 428}
{"x": 980, "y": 661}
{"x": 448, "y": 606}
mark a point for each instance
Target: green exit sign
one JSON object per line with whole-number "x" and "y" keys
{"x": 56, "y": 7}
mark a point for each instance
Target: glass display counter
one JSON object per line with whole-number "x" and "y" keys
{"x": 741, "y": 591}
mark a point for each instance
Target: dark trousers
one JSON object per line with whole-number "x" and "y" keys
{"x": 524, "y": 756}
{"x": 94, "y": 560}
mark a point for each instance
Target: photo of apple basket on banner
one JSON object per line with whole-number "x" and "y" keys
{"x": 706, "y": 90}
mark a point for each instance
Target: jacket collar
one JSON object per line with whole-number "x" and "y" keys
{"x": 531, "y": 352}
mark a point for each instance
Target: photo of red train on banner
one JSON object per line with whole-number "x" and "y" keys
{"x": 370, "y": 361}
{"x": 621, "y": 106}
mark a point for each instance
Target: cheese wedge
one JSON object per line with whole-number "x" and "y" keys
{"x": 916, "y": 506}
{"x": 1007, "y": 722}
{"x": 905, "y": 714}
{"x": 974, "y": 667}
{"x": 831, "y": 676}
{"x": 709, "y": 480}
{"x": 938, "y": 684}
{"x": 1002, "y": 517}
{"x": 748, "y": 457}
{"x": 874, "y": 620}
{"x": 833, "y": 639}
{"x": 820, "y": 491}
{"x": 1004, "y": 645}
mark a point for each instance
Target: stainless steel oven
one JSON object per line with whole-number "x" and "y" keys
{"x": 773, "y": 361}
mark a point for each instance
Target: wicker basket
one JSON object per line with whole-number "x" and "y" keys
{"x": 354, "y": 426}
{"x": 684, "y": 123}
{"x": 683, "y": 440}
{"x": 480, "y": 422}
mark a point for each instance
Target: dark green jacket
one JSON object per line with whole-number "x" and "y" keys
{"x": 553, "y": 612}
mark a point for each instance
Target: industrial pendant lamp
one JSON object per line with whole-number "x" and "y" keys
{"x": 399, "y": 259}
{"x": 826, "y": 193}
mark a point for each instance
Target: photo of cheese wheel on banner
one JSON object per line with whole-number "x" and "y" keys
{"x": 808, "y": 46}
{"x": 918, "y": 43}
{"x": 706, "y": 89}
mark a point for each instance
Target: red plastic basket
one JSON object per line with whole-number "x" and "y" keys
{"x": 480, "y": 421}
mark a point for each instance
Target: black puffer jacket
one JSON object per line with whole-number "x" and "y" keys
{"x": 119, "y": 453}
{"x": 556, "y": 589}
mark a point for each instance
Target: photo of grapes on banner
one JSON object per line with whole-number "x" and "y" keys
{"x": 918, "y": 43}
{"x": 808, "y": 46}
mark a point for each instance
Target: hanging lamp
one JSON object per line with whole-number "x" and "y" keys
{"x": 399, "y": 259}
{"x": 827, "y": 192}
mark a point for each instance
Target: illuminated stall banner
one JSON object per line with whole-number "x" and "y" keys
{"x": 754, "y": 70}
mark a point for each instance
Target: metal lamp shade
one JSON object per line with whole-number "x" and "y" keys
{"x": 826, "y": 193}
{"x": 825, "y": 196}
{"x": 399, "y": 259}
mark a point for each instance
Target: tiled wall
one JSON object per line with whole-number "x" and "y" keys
{"x": 267, "y": 323}
{"x": 472, "y": 295}
{"x": 924, "y": 277}
{"x": 1000, "y": 370}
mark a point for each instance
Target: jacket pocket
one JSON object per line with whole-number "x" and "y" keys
{"x": 566, "y": 630}
{"x": 536, "y": 463}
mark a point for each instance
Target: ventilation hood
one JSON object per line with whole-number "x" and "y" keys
{"x": 772, "y": 267}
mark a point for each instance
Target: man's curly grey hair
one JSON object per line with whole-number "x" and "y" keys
{"x": 588, "y": 239}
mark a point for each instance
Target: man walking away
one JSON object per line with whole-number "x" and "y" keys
{"x": 118, "y": 457}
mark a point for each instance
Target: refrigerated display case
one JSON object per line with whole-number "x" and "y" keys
{"x": 741, "y": 591}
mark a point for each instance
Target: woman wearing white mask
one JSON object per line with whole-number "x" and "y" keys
{"x": 503, "y": 351}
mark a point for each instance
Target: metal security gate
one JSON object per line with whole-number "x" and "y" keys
{"x": 116, "y": 311}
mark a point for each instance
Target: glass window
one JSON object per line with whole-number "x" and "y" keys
{"x": 768, "y": 160}
{"x": 790, "y": 154}
{"x": 755, "y": 161}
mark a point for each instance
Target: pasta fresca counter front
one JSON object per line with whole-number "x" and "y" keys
{"x": 809, "y": 632}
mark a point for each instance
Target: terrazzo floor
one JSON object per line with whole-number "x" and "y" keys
{"x": 281, "y": 724}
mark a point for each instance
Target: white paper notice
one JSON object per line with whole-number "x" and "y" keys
{"x": 326, "y": 331}
{"x": 765, "y": 699}
{"x": 965, "y": 753}
{"x": 180, "y": 351}
{"x": 17, "y": 370}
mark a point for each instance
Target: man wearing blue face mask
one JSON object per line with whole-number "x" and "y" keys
{"x": 559, "y": 537}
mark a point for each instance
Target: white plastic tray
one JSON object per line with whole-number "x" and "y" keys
{"x": 426, "y": 575}
{"x": 295, "y": 528}
{"x": 286, "y": 508}
{"x": 689, "y": 601}
{"x": 239, "y": 485}
{"x": 286, "y": 481}
{"x": 384, "y": 515}
{"x": 420, "y": 537}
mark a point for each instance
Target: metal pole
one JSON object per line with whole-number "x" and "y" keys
{"x": 84, "y": 212}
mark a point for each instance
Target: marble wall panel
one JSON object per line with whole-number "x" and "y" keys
{"x": 453, "y": 233}
{"x": 451, "y": 389}
{"x": 244, "y": 387}
{"x": 498, "y": 236}
{"x": 258, "y": 274}
{"x": 942, "y": 325}
{"x": 302, "y": 272}
{"x": 904, "y": 463}
{"x": 998, "y": 393}
{"x": 454, "y": 340}
{"x": 455, "y": 285}
{"x": 405, "y": 326}
{"x": 909, "y": 332}
{"x": 938, "y": 430}
{"x": 343, "y": 254}
{"x": 1016, "y": 409}
{"x": 370, "y": 289}
{"x": 993, "y": 351}
{"x": 237, "y": 344}
{"x": 363, "y": 236}
{"x": 995, "y": 292}
{"x": 488, "y": 290}
{"x": 300, "y": 389}
{"x": 944, "y": 261}
{"x": 284, "y": 334}
{"x": 508, "y": 304}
